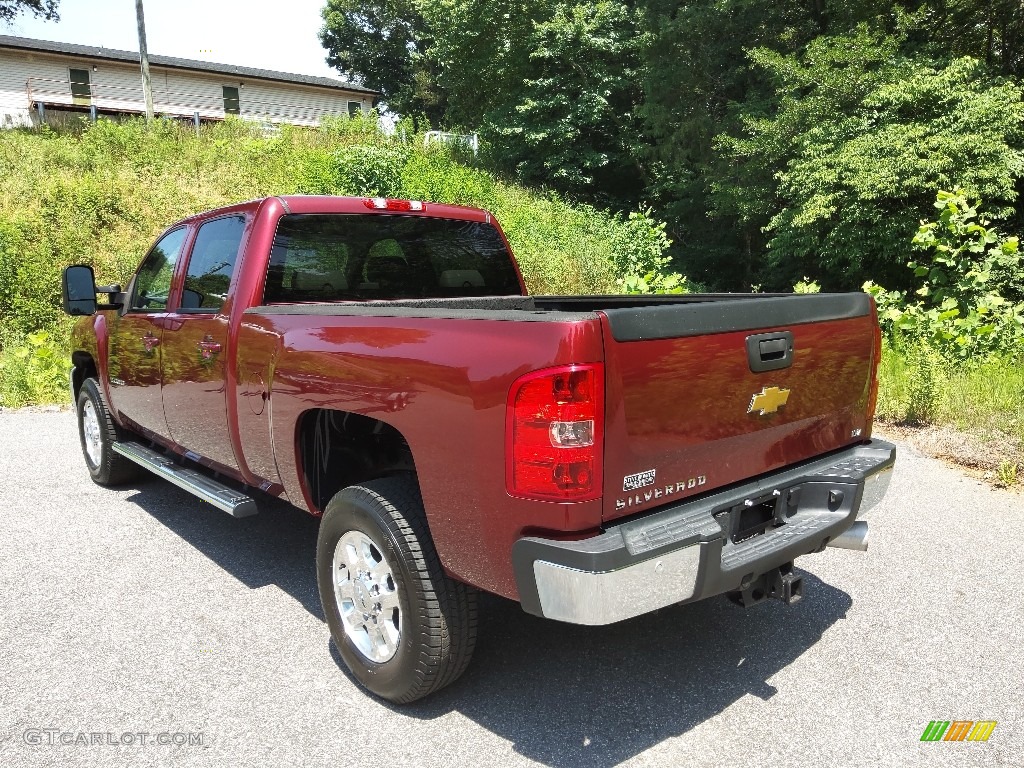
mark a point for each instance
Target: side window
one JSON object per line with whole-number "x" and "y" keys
{"x": 153, "y": 280}
{"x": 213, "y": 260}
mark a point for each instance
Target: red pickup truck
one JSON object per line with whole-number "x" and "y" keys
{"x": 380, "y": 364}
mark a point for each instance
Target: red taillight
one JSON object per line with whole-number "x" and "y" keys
{"x": 555, "y": 434}
{"x": 388, "y": 204}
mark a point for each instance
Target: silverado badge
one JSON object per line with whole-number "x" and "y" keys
{"x": 768, "y": 400}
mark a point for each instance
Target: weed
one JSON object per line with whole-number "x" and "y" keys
{"x": 1006, "y": 475}
{"x": 922, "y": 387}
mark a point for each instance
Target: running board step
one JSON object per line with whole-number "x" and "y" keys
{"x": 221, "y": 496}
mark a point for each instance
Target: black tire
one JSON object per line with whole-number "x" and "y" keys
{"x": 438, "y": 614}
{"x": 110, "y": 468}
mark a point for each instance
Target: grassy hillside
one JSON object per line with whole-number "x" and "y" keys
{"x": 101, "y": 195}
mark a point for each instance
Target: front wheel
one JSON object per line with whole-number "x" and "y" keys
{"x": 98, "y": 433}
{"x": 403, "y": 628}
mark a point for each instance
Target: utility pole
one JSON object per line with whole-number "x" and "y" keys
{"x": 147, "y": 86}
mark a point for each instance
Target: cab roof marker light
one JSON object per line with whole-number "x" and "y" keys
{"x": 390, "y": 204}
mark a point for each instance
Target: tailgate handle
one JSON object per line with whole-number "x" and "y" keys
{"x": 773, "y": 349}
{"x": 770, "y": 351}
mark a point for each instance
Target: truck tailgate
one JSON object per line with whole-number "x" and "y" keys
{"x": 701, "y": 395}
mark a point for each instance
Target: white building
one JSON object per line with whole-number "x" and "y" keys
{"x": 39, "y": 79}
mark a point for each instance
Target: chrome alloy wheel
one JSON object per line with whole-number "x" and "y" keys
{"x": 367, "y": 597}
{"x": 91, "y": 431}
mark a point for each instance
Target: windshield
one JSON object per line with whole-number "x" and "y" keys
{"x": 345, "y": 257}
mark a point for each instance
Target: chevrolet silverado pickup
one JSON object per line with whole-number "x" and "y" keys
{"x": 380, "y": 364}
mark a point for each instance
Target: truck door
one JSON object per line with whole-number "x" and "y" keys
{"x": 195, "y": 344}
{"x": 133, "y": 364}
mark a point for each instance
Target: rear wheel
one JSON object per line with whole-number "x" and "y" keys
{"x": 403, "y": 628}
{"x": 98, "y": 433}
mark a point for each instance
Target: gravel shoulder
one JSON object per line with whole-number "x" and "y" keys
{"x": 141, "y": 610}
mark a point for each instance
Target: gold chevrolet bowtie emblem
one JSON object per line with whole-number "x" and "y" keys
{"x": 768, "y": 400}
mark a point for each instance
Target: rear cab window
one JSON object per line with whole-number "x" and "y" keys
{"x": 212, "y": 264}
{"x": 359, "y": 257}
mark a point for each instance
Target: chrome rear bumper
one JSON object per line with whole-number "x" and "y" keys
{"x": 689, "y": 551}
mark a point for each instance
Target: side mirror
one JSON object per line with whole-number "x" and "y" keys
{"x": 78, "y": 287}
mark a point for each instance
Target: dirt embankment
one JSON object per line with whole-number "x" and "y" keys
{"x": 995, "y": 458}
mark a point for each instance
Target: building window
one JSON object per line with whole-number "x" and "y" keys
{"x": 231, "y": 103}
{"x": 81, "y": 90}
{"x": 354, "y": 108}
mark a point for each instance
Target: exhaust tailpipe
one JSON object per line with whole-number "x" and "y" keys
{"x": 855, "y": 537}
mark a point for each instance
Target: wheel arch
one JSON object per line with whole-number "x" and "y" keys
{"x": 336, "y": 449}
{"x": 83, "y": 367}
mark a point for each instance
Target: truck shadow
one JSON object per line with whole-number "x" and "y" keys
{"x": 563, "y": 695}
{"x": 570, "y": 696}
{"x": 277, "y": 546}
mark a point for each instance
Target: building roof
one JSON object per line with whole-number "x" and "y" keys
{"x": 111, "y": 54}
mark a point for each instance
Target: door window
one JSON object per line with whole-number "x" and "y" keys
{"x": 153, "y": 280}
{"x": 212, "y": 264}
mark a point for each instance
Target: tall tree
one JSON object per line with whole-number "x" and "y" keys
{"x": 44, "y": 9}
{"x": 552, "y": 85}
{"x": 857, "y": 145}
{"x": 577, "y": 125}
{"x": 381, "y": 44}
{"x": 696, "y": 72}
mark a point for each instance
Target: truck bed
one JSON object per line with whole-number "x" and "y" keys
{"x": 679, "y": 381}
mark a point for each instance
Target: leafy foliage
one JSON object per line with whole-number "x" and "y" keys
{"x": 381, "y": 44}
{"x": 371, "y": 170}
{"x": 43, "y": 9}
{"x": 573, "y": 125}
{"x": 638, "y": 253}
{"x": 838, "y": 168}
{"x": 971, "y": 290}
{"x": 33, "y": 369}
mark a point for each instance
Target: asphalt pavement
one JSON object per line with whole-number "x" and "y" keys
{"x": 142, "y": 627}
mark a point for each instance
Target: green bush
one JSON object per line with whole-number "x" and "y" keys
{"x": 971, "y": 303}
{"x": 638, "y": 254}
{"x": 954, "y": 353}
{"x": 33, "y": 369}
{"x": 373, "y": 170}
